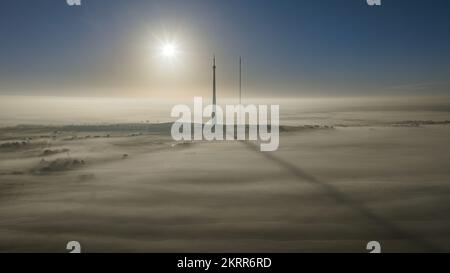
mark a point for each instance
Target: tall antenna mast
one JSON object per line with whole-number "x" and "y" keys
{"x": 214, "y": 87}
{"x": 240, "y": 80}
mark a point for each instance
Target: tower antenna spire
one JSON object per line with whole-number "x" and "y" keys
{"x": 240, "y": 80}
{"x": 214, "y": 88}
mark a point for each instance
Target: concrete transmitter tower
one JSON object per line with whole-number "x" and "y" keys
{"x": 214, "y": 88}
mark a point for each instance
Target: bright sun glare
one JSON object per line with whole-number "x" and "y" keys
{"x": 169, "y": 50}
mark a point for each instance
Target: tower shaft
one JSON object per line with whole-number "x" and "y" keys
{"x": 240, "y": 80}
{"x": 214, "y": 88}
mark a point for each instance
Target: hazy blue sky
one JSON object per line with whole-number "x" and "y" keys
{"x": 290, "y": 48}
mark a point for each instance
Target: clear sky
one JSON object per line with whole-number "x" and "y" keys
{"x": 290, "y": 48}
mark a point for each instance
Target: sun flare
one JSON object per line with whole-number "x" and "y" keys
{"x": 169, "y": 50}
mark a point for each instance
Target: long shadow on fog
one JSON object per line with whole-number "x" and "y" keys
{"x": 342, "y": 198}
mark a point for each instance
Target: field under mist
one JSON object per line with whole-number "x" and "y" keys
{"x": 107, "y": 173}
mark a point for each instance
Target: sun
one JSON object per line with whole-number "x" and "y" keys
{"x": 169, "y": 50}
